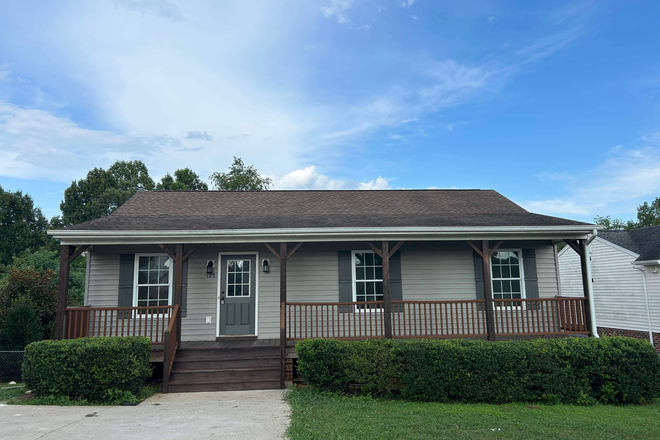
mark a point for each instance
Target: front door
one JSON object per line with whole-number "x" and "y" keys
{"x": 237, "y": 294}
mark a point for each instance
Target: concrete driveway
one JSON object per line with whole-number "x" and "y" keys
{"x": 229, "y": 414}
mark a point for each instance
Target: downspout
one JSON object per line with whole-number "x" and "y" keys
{"x": 646, "y": 299}
{"x": 590, "y": 284}
{"x": 592, "y": 309}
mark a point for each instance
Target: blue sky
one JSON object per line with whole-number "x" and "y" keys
{"x": 554, "y": 104}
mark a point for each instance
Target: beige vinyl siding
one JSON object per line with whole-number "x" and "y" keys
{"x": 444, "y": 273}
{"x": 618, "y": 287}
{"x": 202, "y": 300}
{"x": 103, "y": 288}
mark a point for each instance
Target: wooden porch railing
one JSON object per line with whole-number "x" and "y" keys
{"x": 540, "y": 317}
{"x": 118, "y": 321}
{"x": 347, "y": 320}
{"x": 436, "y": 319}
{"x": 439, "y": 319}
{"x": 170, "y": 347}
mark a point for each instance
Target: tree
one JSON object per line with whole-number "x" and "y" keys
{"x": 648, "y": 214}
{"x": 22, "y": 226}
{"x": 103, "y": 191}
{"x": 20, "y": 325}
{"x": 44, "y": 260}
{"x": 39, "y": 286}
{"x": 240, "y": 178}
{"x": 184, "y": 179}
{"x": 612, "y": 224}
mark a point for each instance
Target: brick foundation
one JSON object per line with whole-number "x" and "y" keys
{"x": 607, "y": 331}
{"x": 288, "y": 370}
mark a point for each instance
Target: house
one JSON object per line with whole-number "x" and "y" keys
{"x": 626, "y": 283}
{"x": 224, "y": 283}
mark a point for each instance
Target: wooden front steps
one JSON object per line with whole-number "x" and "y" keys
{"x": 217, "y": 368}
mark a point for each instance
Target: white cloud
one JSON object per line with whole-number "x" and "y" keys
{"x": 492, "y": 19}
{"x": 310, "y": 178}
{"x": 379, "y": 183}
{"x": 617, "y": 185}
{"x": 157, "y": 8}
{"x": 651, "y": 137}
{"x": 549, "y": 45}
{"x": 414, "y": 17}
{"x": 407, "y": 3}
{"x": 365, "y": 27}
{"x": 337, "y": 8}
{"x": 38, "y": 143}
{"x": 4, "y": 72}
{"x": 202, "y": 135}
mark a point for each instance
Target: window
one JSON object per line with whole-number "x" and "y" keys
{"x": 507, "y": 274}
{"x": 153, "y": 281}
{"x": 238, "y": 277}
{"x": 367, "y": 277}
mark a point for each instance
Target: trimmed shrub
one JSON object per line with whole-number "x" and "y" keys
{"x": 567, "y": 370}
{"x": 92, "y": 369}
{"x": 20, "y": 325}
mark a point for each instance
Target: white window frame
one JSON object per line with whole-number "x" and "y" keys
{"x": 354, "y": 279}
{"x": 523, "y": 294}
{"x": 136, "y": 271}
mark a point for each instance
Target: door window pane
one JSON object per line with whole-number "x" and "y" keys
{"x": 238, "y": 277}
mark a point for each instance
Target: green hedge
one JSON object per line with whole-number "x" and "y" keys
{"x": 567, "y": 370}
{"x": 93, "y": 369}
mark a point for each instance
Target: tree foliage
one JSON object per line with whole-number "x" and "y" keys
{"x": 240, "y": 178}
{"x": 40, "y": 287}
{"x": 613, "y": 224}
{"x": 184, "y": 179}
{"x": 103, "y": 191}
{"x": 20, "y": 325}
{"x": 648, "y": 214}
{"x": 22, "y": 226}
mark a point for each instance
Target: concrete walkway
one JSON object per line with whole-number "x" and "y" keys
{"x": 229, "y": 414}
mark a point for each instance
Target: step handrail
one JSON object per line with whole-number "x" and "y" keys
{"x": 170, "y": 346}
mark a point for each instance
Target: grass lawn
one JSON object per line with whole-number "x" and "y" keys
{"x": 18, "y": 397}
{"x": 323, "y": 416}
{"x": 10, "y": 393}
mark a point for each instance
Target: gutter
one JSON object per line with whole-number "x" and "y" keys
{"x": 319, "y": 234}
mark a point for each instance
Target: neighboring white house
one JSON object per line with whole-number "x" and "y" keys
{"x": 626, "y": 281}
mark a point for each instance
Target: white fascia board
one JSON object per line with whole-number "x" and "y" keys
{"x": 73, "y": 237}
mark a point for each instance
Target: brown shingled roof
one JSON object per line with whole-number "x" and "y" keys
{"x": 213, "y": 210}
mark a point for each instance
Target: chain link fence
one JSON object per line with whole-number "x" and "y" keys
{"x": 10, "y": 365}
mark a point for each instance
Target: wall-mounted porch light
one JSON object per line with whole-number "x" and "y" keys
{"x": 209, "y": 269}
{"x": 266, "y": 266}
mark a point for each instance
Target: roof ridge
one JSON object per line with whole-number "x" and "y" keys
{"x": 313, "y": 190}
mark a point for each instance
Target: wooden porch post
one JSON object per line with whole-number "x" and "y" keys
{"x": 283, "y": 260}
{"x": 283, "y": 255}
{"x": 486, "y": 252}
{"x": 488, "y": 291}
{"x": 178, "y": 286}
{"x": 62, "y": 291}
{"x": 387, "y": 301}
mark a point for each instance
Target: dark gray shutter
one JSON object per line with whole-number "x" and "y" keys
{"x": 345, "y": 279}
{"x": 531, "y": 275}
{"x": 126, "y": 272}
{"x": 479, "y": 275}
{"x": 184, "y": 290}
{"x": 396, "y": 288}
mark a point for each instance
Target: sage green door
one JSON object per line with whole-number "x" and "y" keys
{"x": 237, "y": 295}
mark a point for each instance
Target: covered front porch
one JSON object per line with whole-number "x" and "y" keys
{"x": 491, "y": 315}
